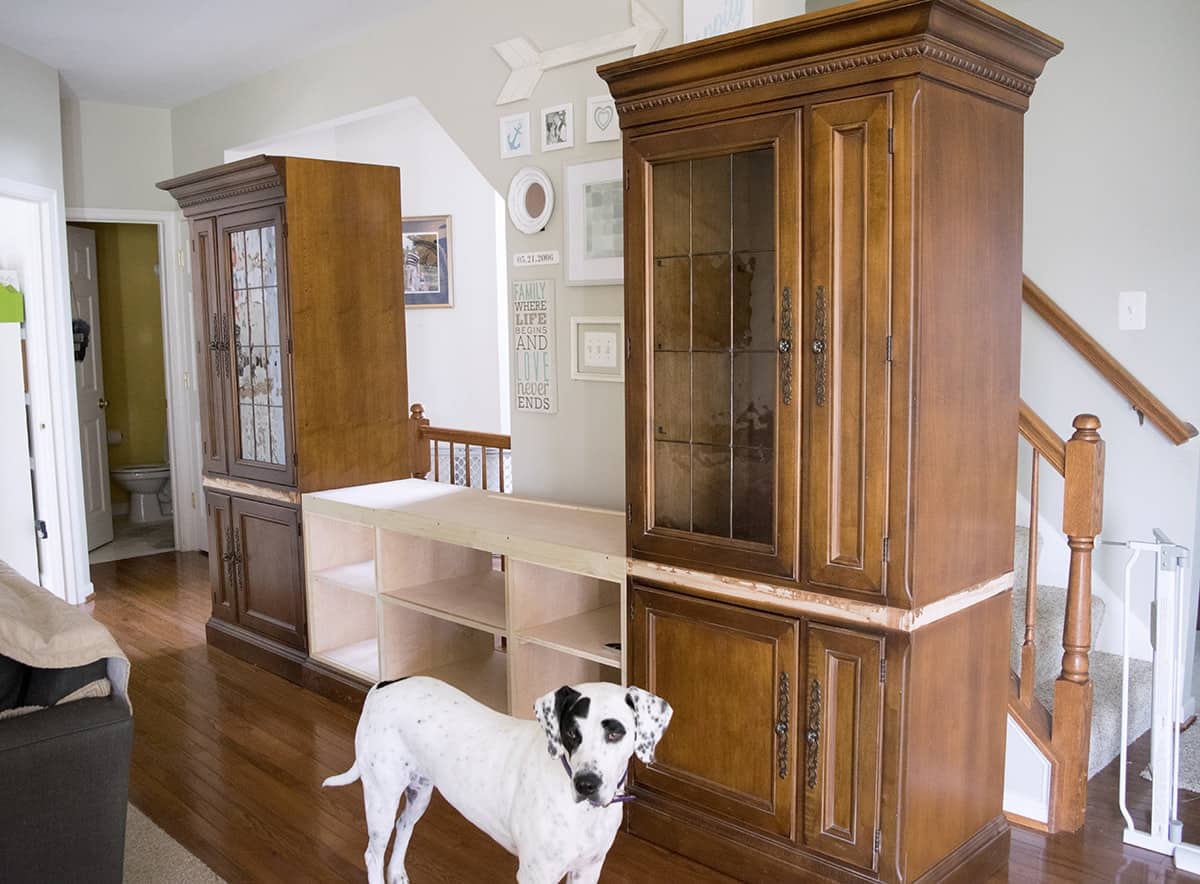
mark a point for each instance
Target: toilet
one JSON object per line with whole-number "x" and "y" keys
{"x": 149, "y": 490}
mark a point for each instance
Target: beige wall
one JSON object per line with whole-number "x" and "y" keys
{"x": 114, "y": 153}
{"x": 444, "y": 58}
{"x": 30, "y": 135}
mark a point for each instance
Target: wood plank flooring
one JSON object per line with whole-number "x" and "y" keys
{"x": 229, "y": 759}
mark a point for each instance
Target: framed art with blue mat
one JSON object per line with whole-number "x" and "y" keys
{"x": 428, "y": 281}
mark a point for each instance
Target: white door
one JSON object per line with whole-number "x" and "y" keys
{"x": 89, "y": 387}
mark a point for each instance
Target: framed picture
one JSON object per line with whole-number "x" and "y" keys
{"x": 558, "y": 127}
{"x": 596, "y": 348}
{"x": 427, "y": 276}
{"x": 595, "y": 224}
{"x": 515, "y": 139}
{"x": 530, "y": 199}
{"x": 708, "y": 18}
{"x": 602, "y": 119}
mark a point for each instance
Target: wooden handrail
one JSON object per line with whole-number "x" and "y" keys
{"x": 1042, "y": 437}
{"x": 1143, "y": 401}
{"x": 466, "y": 437}
{"x": 423, "y": 437}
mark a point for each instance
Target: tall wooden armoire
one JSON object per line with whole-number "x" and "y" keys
{"x": 298, "y": 286}
{"x": 823, "y": 301}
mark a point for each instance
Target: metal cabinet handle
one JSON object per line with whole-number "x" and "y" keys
{"x": 813, "y": 735}
{"x": 818, "y": 346}
{"x": 782, "y": 724}
{"x": 785, "y": 345}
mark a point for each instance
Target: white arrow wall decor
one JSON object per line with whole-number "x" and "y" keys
{"x": 528, "y": 63}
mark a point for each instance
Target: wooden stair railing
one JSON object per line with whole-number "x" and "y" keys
{"x": 427, "y": 442}
{"x": 1145, "y": 403}
{"x": 1065, "y": 735}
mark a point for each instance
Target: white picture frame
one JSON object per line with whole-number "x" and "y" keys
{"x": 597, "y": 348}
{"x": 709, "y": 18}
{"x": 558, "y": 127}
{"x": 515, "y": 138}
{"x": 602, "y": 123}
{"x": 530, "y": 215}
{"x": 595, "y": 229}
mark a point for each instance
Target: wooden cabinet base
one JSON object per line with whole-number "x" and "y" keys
{"x": 752, "y": 857}
{"x": 286, "y": 662}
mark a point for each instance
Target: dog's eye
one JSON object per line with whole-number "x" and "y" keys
{"x": 615, "y": 736}
{"x": 614, "y": 731}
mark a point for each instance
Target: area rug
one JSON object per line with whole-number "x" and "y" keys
{"x": 154, "y": 857}
{"x": 1189, "y": 760}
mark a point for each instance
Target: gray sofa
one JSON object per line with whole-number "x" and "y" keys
{"x": 64, "y": 778}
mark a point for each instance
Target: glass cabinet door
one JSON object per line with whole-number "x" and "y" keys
{"x": 259, "y": 412}
{"x": 721, "y": 437}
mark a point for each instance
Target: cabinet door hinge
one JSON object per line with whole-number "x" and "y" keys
{"x": 289, "y": 345}
{"x": 628, "y": 348}
{"x": 882, "y": 671}
{"x": 629, "y": 513}
{"x": 886, "y": 548}
{"x": 889, "y": 348}
{"x": 204, "y": 448}
{"x": 283, "y": 227}
{"x": 891, "y": 140}
{"x": 627, "y": 179}
{"x": 295, "y": 459}
{"x": 878, "y": 840}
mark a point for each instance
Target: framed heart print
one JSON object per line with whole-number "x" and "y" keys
{"x": 602, "y": 119}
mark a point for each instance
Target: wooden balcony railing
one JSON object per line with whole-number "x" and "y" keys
{"x": 460, "y": 457}
{"x": 1065, "y": 736}
{"x": 1145, "y": 403}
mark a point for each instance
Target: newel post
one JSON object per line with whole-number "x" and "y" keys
{"x": 418, "y": 446}
{"x": 1083, "y": 504}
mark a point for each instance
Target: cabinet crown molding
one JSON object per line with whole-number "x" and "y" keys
{"x": 899, "y": 37}
{"x": 208, "y": 187}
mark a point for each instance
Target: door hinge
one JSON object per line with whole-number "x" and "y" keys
{"x": 289, "y": 345}
{"x": 629, "y": 513}
{"x": 886, "y": 548}
{"x": 628, "y": 348}
{"x": 882, "y": 671}
{"x": 39, "y": 528}
{"x": 204, "y": 448}
{"x": 889, "y": 348}
{"x": 627, "y": 179}
{"x": 283, "y": 229}
{"x": 295, "y": 459}
{"x": 878, "y": 840}
{"x": 891, "y": 140}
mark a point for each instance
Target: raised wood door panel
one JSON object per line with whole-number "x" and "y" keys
{"x": 712, "y": 402}
{"x": 729, "y": 674}
{"x": 221, "y": 567}
{"x": 253, "y": 277}
{"x": 846, "y": 354}
{"x": 842, "y": 696}
{"x": 270, "y": 590}
{"x": 213, "y": 358}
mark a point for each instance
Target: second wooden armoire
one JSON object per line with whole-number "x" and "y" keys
{"x": 823, "y": 296}
{"x": 298, "y": 287}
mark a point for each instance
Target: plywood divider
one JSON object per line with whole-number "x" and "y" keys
{"x": 339, "y": 617}
{"x": 534, "y": 671}
{"x": 539, "y": 595}
{"x": 405, "y": 560}
{"x": 411, "y": 642}
{"x": 332, "y": 542}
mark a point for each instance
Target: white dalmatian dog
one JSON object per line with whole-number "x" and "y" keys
{"x": 548, "y": 791}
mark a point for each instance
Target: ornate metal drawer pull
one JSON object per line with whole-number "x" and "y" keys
{"x": 813, "y": 737}
{"x": 785, "y": 346}
{"x": 818, "y": 346}
{"x": 781, "y": 725}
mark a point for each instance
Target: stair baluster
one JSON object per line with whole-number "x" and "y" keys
{"x": 1029, "y": 648}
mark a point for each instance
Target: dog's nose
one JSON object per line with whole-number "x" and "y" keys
{"x": 586, "y": 784}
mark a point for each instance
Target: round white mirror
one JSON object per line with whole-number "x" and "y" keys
{"x": 530, "y": 199}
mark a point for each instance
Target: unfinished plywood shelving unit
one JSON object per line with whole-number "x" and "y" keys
{"x": 405, "y": 578}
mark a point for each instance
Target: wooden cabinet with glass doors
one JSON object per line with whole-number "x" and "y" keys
{"x": 822, "y": 296}
{"x": 297, "y": 283}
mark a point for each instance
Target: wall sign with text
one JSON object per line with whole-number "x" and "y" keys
{"x": 534, "y": 362}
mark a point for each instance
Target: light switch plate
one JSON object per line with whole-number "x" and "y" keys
{"x": 1131, "y": 311}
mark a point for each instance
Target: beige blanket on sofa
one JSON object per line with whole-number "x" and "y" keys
{"x": 39, "y": 629}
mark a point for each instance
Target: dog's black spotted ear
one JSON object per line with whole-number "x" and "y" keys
{"x": 548, "y": 710}
{"x": 651, "y": 715}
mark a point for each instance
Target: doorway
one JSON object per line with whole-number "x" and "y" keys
{"x": 114, "y": 271}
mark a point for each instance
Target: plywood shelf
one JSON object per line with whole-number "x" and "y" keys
{"x": 356, "y": 576}
{"x": 475, "y": 600}
{"x": 485, "y": 678}
{"x": 360, "y": 659}
{"x": 581, "y": 635}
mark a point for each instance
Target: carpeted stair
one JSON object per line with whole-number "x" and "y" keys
{"x": 1105, "y": 668}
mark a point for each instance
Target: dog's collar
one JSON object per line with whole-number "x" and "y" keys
{"x": 619, "y": 798}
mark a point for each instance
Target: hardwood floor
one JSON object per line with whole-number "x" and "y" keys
{"x": 228, "y": 759}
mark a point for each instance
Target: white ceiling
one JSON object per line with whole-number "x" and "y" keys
{"x": 162, "y": 53}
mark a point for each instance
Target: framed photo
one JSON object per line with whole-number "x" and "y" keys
{"x": 530, "y": 199}
{"x": 595, "y": 223}
{"x": 602, "y": 119}
{"x": 708, "y": 18}
{"x": 558, "y": 127}
{"x": 427, "y": 276}
{"x": 515, "y": 139}
{"x": 596, "y": 348}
